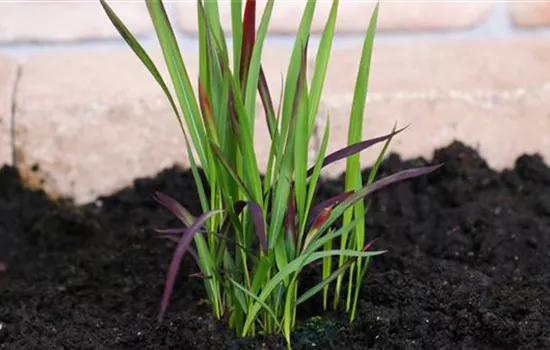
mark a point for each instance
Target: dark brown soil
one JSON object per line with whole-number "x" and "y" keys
{"x": 468, "y": 267}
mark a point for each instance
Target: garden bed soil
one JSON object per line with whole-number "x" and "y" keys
{"x": 468, "y": 266}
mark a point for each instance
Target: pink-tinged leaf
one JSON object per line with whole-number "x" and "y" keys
{"x": 290, "y": 217}
{"x": 322, "y": 217}
{"x": 177, "y": 209}
{"x": 353, "y": 149}
{"x": 249, "y": 37}
{"x": 205, "y": 106}
{"x": 181, "y": 249}
{"x": 301, "y": 82}
{"x": 258, "y": 219}
{"x": 267, "y": 102}
{"x": 367, "y": 246}
{"x": 206, "y": 111}
{"x": 320, "y": 220}
{"x": 316, "y": 209}
{"x": 233, "y": 114}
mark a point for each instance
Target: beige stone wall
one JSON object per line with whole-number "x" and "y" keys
{"x": 77, "y": 103}
{"x": 62, "y": 21}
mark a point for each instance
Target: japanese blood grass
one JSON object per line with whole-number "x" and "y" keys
{"x": 256, "y": 235}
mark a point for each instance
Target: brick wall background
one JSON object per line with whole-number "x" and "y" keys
{"x": 77, "y": 103}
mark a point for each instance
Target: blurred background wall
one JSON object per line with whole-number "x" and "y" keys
{"x": 80, "y": 116}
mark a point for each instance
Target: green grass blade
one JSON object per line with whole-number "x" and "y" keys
{"x": 353, "y": 167}
{"x": 294, "y": 68}
{"x": 360, "y": 240}
{"x": 148, "y": 62}
{"x": 321, "y": 64}
{"x": 231, "y": 171}
{"x": 251, "y": 170}
{"x": 259, "y": 301}
{"x": 327, "y": 262}
{"x": 302, "y": 138}
{"x": 315, "y": 176}
{"x": 261, "y": 273}
{"x": 293, "y": 267}
{"x": 280, "y": 197}
{"x": 324, "y": 283}
{"x": 140, "y": 53}
{"x": 180, "y": 80}
{"x": 236, "y": 32}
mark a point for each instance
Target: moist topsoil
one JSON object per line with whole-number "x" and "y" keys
{"x": 467, "y": 267}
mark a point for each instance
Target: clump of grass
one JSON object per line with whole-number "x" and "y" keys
{"x": 257, "y": 234}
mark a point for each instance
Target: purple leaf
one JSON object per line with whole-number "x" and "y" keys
{"x": 316, "y": 209}
{"x": 258, "y": 219}
{"x": 176, "y": 208}
{"x": 172, "y": 231}
{"x": 353, "y": 149}
{"x": 388, "y": 180}
{"x": 181, "y": 249}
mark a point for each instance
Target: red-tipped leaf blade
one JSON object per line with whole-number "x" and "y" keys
{"x": 249, "y": 37}
{"x": 205, "y": 106}
{"x": 316, "y": 209}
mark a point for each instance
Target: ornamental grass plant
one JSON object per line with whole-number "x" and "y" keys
{"x": 257, "y": 233}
